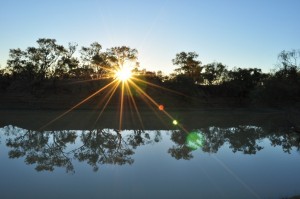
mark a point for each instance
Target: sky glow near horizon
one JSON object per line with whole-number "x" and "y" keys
{"x": 238, "y": 33}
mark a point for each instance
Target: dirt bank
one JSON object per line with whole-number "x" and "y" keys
{"x": 149, "y": 119}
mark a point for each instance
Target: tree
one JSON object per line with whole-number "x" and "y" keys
{"x": 123, "y": 56}
{"x": 4, "y": 79}
{"x": 17, "y": 64}
{"x": 284, "y": 84}
{"x": 45, "y": 55}
{"x": 67, "y": 64}
{"x": 35, "y": 62}
{"x": 188, "y": 65}
{"x": 215, "y": 73}
{"x": 93, "y": 57}
{"x": 249, "y": 76}
{"x": 243, "y": 80}
{"x": 288, "y": 65}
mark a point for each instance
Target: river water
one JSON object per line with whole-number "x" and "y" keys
{"x": 242, "y": 161}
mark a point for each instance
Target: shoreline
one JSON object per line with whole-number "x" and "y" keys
{"x": 151, "y": 119}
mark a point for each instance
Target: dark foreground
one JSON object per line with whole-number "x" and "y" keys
{"x": 150, "y": 119}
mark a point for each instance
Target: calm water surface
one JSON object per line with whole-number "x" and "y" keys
{"x": 212, "y": 162}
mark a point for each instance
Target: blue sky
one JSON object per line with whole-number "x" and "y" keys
{"x": 239, "y": 33}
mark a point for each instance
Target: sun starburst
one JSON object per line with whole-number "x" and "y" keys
{"x": 123, "y": 74}
{"x": 124, "y": 79}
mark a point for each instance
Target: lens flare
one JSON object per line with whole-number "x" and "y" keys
{"x": 194, "y": 140}
{"x": 161, "y": 107}
{"x": 175, "y": 122}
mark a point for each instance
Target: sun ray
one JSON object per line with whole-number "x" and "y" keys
{"x": 124, "y": 79}
{"x": 121, "y": 106}
{"x": 163, "y": 88}
{"x": 157, "y": 105}
{"x": 144, "y": 93}
{"x": 134, "y": 104}
{"x": 91, "y": 80}
{"x": 150, "y": 104}
{"x": 107, "y": 95}
{"x": 149, "y": 98}
{"x": 111, "y": 92}
{"x": 78, "y": 104}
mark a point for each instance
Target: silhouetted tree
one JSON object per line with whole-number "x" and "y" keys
{"x": 118, "y": 57}
{"x": 215, "y": 73}
{"x": 18, "y": 65}
{"x": 283, "y": 86}
{"x": 5, "y": 79}
{"x": 94, "y": 59}
{"x": 67, "y": 64}
{"x": 242, "y": 81}
{"x": 35, "y": 62}
{"x": 188, "y": 65}
{"x": 289, "y": 64}
{"x": 51, "y": 61}
{"x": 45, "y": 55}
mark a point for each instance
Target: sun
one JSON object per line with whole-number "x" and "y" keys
{"x": 123, "y": 74}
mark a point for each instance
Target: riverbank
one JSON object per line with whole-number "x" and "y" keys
{"x": 47, "y": 107}
{"x": 148, "y": 120}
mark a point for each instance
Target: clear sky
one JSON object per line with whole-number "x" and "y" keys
{"x": 241, "y": 33}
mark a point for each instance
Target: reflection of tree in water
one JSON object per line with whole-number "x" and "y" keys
{"x": 243, "y": 139}
{"x": 107, "y": 146}
{"x": 49, "y": 149}
{"x": 214, "y": 139}
{"x": 286, "y": 140}
{"x": 45, "y": 149}
{"x": 140, "y": 137}
{"x": 103, "y": 147}
{"x": 180, "y": 150}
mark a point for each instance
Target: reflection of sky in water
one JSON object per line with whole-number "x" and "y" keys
{"x": 155, "y": 173}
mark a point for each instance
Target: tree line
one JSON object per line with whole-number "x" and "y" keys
{"x": 49, "y": 61}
